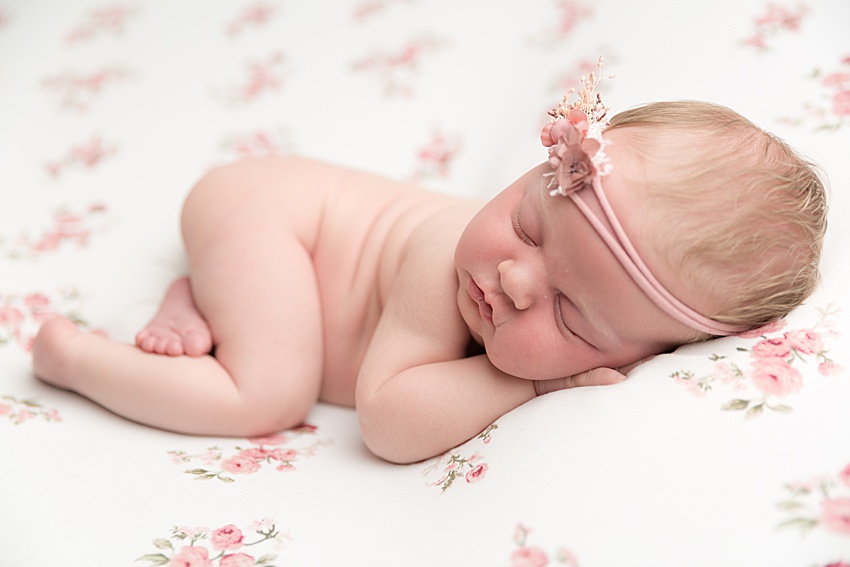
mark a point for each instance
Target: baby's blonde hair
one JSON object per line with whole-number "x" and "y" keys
{"x": 741, "y": 214}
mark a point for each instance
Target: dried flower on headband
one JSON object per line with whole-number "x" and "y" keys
{"x": 574, "y": 138}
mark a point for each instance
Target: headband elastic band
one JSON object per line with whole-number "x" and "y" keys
{"x": 594, "y": 205}
{"x": 578, "y": 160}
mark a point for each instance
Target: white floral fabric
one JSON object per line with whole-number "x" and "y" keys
{"x": 734, "y": 452}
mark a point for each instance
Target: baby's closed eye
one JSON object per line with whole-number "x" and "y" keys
{"x": 562, "y": 305}
{"x": 519, "y": 230}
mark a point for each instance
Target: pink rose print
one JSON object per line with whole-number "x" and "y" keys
{"x": 367, "y": 9}
{"x": 775, "y": 376}
{"x": 17, "y": 411}
{"x": 191, "y": 557}
{"x": 228, "y": 537}
{"x": 67, "y": 227}
{"x": 841, "y": 104}
{"x": 240, "y": 464}
{"x": 832, "y": 109}
{"x": 237, "y": 560}
{"x": 279, "y": 439}
{"x": 821, "y": 501}
{"x": 837, "y": 83}
{"x": 728, "y": 375}
{"x": 260, "y": 78}
{"x": 22, "y": 315}
{"x": 776, "y": 347}
{"x": 477, "y": 473}
{"x": 212, "y": 548}
{"x": 836, "y": 515}
{"x": 773, "y": 368}
{"x": 106, "y": 20}
{"x": 830, "y": 368}
{"x": 86, "y": 155}
{"x": 805, "y": 341}
{"x": 452, "y": 465}
{"x": 77, "y": 91}
{"x": 254, "y": 15}
{"x": 776, "y": 20}
{"x": 436, "y": 157}
{"x": 529, "y": 557}
{"x": 570, "y": 13}
{"x": 396, "y": 70}
{"x": 534, "y": 556}
{"x": 258, "y": 144}
{"x": 264, "y": 451}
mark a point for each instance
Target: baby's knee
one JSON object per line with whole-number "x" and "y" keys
{"x": 263, "y": 418}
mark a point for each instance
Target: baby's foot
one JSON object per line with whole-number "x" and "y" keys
{"x": 177, "y": 328}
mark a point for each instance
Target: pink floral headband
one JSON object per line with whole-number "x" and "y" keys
{"x": 577, "y": 156}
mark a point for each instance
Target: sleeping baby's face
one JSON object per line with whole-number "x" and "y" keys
{"x": 545, "y": 296}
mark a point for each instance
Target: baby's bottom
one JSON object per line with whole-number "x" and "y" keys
{"x": 252, "y": 279}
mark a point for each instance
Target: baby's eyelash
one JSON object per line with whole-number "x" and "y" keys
{"x": 519, "y": 231}
{"x": 559, "y": 316}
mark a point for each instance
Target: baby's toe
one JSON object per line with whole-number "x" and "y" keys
{"x": 172, "y": 347}
{"x": 197, "y": 343}
{"x": 145, "y": 341}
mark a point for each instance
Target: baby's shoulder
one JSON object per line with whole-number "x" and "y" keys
{"x": 420, "y": 319}
{"x": 417, "y": 242}
{"x": 426, "y": 262}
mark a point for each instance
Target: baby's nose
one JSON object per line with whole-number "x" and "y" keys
{"x": 518, "y": 283}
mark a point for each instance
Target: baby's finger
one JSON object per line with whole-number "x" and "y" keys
{"x": 595, "y": 377}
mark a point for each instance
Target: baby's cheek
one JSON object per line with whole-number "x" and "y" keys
{"x": 536, "y": 360}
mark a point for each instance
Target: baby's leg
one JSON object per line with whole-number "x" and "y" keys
{"x": 177, "y": 328}
{"x": 252, "y": 279}
{"x": 184, "y": 394}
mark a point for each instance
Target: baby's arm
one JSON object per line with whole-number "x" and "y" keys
{"x": 424, "y": 410}
{"x": 417, "y": 394}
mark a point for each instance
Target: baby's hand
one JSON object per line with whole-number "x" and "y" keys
{"x": 595, "y": 377}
